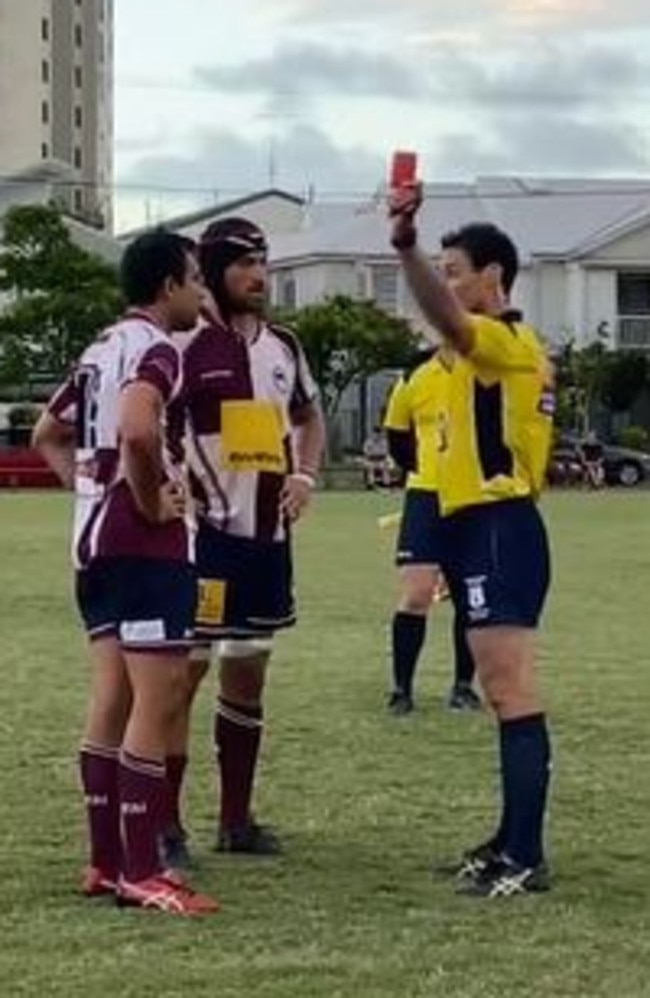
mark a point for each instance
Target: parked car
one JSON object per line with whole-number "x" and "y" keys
{"x": 621, "y": 465}
{"x": 624, "y": 466}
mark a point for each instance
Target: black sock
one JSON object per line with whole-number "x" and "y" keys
{"x": 463, "y": 658}
{"x": 409, "y": 630}
{"x": 498, "y": 840}
{"x": 525, "y": 762}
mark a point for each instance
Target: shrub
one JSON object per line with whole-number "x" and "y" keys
{"x": 634, "y": 437}
{"x": 21, "y": 419}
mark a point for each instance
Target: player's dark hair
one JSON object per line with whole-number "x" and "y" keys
{"x": 151, "y": 260}
{"x": 484, "y": 244}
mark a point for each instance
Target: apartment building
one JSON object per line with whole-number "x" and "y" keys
{"x": 56, "y": 106}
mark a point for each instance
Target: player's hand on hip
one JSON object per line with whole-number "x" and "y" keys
{"x": 295, "y": 497}
{"x": 172, "y": 502}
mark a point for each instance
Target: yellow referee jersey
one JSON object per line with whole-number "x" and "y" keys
{"x": 499, "y": 417}
{"x": 418, "y": 403}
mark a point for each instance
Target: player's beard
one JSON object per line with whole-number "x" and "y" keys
{"x": 255, "y": 303}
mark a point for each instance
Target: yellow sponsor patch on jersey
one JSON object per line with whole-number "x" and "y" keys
{"x": 252, "y": 437}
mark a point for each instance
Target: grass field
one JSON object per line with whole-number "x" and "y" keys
{"x": 364, "y": 801}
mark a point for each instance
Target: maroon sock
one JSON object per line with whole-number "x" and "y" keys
{"x": 237, "y": 736}
{"x": 175, "y": 766}
{"x": 98, "y": 766}
{"x": 142, "y": 795}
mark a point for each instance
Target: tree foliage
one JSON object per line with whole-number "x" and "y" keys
{"x": 624, "y": 378}
{"x": 597, "y": 376}
{"x": 345, "y": 339}
{"x": 56, "y": 295}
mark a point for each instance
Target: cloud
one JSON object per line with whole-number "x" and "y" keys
{"x": 312, "y": 70}
{"x": 298, "y": 13}
{"x": 589, "y": 14}
{"x": 564, "y": 76}
{"x": 222, "y": 165}
{"x": 484, "y": 15}
{"x": 514, "y": 86}
{"x": 543, "y": 144}
{"x": 228, "y": 164}
{"x": 225, "y": 164}
{"x": 567, "y": 104}
{"x": 561, "y": 74}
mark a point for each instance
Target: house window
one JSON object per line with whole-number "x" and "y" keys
{"x": 78, "y": 200}
{"x": 361, "y": 283}
{"x": 384, "y": 287}
{"x": 78, "y": 77}
{"x": 633, "y": 300}
{"x": 45, "y": 71}
{"x": 288, "y": 295}
{"x": 45, "y": 112}
{"x": 78, "y": 117}
{"x": 633, "y": 294}
{"x": 77, "y": 158}
{"x": 45, "y": 30}
{"x": 45, "y": 151}
{"x": 78, "y": 36}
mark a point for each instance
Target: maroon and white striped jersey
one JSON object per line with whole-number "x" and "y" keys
{"x": 239, "y": 396}
{"x": 107, "y": 523}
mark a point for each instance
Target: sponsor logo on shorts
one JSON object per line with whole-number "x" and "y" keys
{"x": 477, "y": 605}
{"x": 405, "y": 554}
{"x": 133, "y": 808}
{"x": 142, "y": 632}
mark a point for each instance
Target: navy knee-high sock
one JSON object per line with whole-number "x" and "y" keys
{"x": 526, "y": 763}
{"x": 409, "y": 631}
{"x": 464, "y": 667}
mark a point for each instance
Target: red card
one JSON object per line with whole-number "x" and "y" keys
{"x": 403, "y": 169}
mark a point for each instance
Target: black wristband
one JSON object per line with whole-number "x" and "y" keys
{"x": 406, "y": 241}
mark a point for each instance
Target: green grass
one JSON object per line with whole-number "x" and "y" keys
{"x": 364, "y": 802}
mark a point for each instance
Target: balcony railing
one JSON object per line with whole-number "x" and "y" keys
{"x": 634, "y": 332}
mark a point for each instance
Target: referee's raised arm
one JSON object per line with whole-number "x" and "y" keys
{"x": 438, "y": 303}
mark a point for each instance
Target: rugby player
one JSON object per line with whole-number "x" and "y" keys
{"x": 254, "y": 438}
{"x": 104, "y": 434}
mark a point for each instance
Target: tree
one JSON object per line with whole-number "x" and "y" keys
{"x": 596, "y": 376}
{"x": 345, "y": 340}
{"x": 580, "y": 375}
{"x": 624, "y": 378}
{"x": 58, "y": 296}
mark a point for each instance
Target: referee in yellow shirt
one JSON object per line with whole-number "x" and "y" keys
{"x": 496, "y": 556}
{"x": 412, "y": 423}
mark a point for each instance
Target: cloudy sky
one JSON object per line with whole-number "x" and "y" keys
{"x": 216, "y": 98}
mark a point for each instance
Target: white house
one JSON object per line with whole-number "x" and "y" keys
{"x": 584, "y": 245}
{"x": 276, "y": 211}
